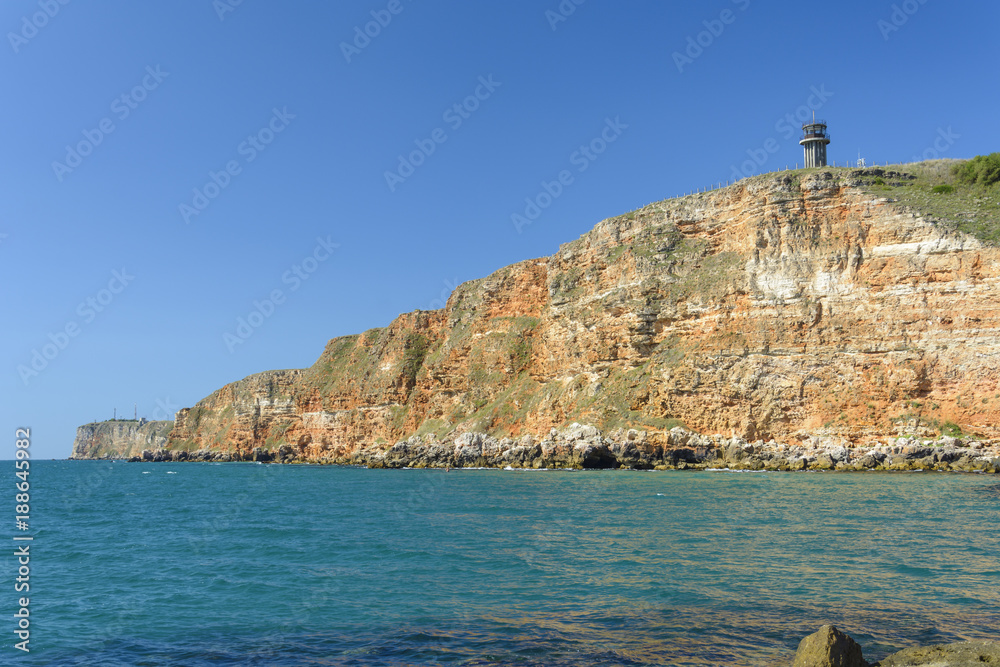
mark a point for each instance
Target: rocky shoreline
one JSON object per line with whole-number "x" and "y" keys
{"x": 829, "y": 647}
{"x": 584, "y": 447}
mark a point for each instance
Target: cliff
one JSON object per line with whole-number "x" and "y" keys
{"x": 788, "y": 306}
{"x": 119, "y": 439}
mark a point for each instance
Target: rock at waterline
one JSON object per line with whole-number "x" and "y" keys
{"x": 828, "y": 647}
{"x": 960, "y": 654}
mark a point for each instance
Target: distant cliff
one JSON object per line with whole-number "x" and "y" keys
{"x": 119, "y": 439}
{"x": 839, "y": 304}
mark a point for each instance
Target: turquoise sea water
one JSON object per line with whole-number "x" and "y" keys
{"x": 244, "y": 564}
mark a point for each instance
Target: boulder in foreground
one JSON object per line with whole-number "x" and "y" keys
{"x": 828, "y": 647}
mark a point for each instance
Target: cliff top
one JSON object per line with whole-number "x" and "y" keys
{"x": 936, "y": 189}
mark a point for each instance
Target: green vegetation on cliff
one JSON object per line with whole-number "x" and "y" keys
{"x": 964, "y": 195}
{"x": 981, "y": 170}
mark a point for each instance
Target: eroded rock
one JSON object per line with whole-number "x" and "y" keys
{"x": 962, "y": 654}
{"x": 828, "y": 647}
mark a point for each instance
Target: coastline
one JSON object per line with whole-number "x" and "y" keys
{"x": 584, "y": 447}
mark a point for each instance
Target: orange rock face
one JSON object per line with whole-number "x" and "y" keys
{"x": 776, "y": 308}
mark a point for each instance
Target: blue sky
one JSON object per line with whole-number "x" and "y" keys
{"x": 169, "y": 168}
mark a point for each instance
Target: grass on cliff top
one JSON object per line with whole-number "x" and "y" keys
{"x": 937, "y": 192}
{"x": 967, "y": 201}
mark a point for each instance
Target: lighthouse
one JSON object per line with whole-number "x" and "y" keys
{"x": 814, "y": 140}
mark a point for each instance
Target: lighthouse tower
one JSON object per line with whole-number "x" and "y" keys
{"x": 814, "y": 140}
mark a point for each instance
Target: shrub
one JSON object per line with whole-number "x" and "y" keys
{"x": 952, "y": 429}
{"x": 414, "y": 352}
{"x": 942, "y": 189}
{"x": 981, "y": 170}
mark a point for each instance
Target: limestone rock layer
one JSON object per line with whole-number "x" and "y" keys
{"x": 119, "y": 439}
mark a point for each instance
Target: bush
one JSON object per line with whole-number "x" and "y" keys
{"x": 980, "y": 170}
{"x": 952, "y": 429}
{"x": 414, "y": 352}
{"x": 942, "y": 189}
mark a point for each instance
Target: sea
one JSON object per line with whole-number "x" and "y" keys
{"x": 201, "y": 564}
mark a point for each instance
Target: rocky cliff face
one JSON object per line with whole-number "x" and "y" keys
{"x": 119, "y": 439}
{"x": 786, "y": 306}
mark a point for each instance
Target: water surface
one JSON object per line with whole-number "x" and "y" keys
{"x": 244, "y": 564}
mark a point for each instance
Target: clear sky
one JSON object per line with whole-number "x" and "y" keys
{"x": 169, "y": 168}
